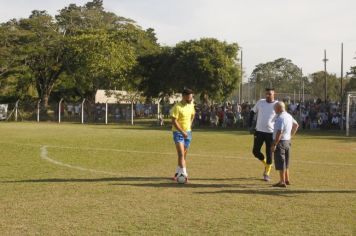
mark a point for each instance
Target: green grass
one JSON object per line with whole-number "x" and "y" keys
{"x": 225, "y": 197}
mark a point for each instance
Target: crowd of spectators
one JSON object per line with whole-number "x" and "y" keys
{"x": 311, "y": 115}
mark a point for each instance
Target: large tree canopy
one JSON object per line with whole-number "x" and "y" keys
{"x": 318, "y": 86}
{"x": 281, "y": 74}
{"x": 208, "y": 66}
{"x": 83, "y": 47}
{"x": 36, "y": 47}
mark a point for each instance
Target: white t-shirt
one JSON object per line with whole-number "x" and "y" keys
{"x": 265, "y": 115}
{"x": 284, "y": 123}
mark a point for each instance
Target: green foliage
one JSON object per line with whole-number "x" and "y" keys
{"x": 281, "y": 74}
{"x": 99, "y": 61}
{"x": 207, "y": 66}
{"x": 156, "y": 72}
{"x": 83, "y": 47}
{"x": 318, "y": 86}
{"x": 104, "y": 47}
{"x": 37, "y": 50}
{"x": 351, "y": 85}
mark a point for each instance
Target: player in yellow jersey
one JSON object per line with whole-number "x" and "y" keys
{"x": 182, "y": 115}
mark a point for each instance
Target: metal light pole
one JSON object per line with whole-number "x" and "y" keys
{"x": 240, "y": 95}
{"x": 301, "y": 86}
{"x": 325, "y": 79}
{"x": 341, "y": 90}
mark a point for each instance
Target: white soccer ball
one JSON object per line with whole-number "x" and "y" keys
{"x": 181, "y": 179}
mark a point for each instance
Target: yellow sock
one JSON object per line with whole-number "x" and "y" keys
{"x": 264, "y": 163}
{"x": 268, "y": 169}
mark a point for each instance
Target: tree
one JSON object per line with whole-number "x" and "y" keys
{"x": 37, "y": 49}
{"x": 100, "y": 62}
{"x": 318, "y": 86}
{"x": 84, "y": 47}
{"x": 105, "y": 46}
{"x": 207, "y": 66}
{"x": 281, "y": 74}
{"x": 156, "y": 73}
{"x": 74, "y": 19}
{"x": 351, "y": 85}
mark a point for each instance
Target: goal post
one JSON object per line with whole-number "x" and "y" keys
{"x": 350, "y": 112}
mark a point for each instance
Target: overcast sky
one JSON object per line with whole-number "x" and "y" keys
{"x": 266, "y": 29}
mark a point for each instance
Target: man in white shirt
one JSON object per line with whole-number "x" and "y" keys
{"x": 264, "y": 110}
{"x": 284, "y": 128}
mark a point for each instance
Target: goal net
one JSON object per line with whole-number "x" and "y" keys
{"x": 351, "y": 113}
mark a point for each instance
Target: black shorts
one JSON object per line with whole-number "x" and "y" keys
{"x": 282, "y": 155}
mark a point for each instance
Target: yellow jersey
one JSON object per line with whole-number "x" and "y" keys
{"x": 183, "y": 112}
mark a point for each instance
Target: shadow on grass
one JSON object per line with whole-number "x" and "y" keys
{"x": 279, "y": 192}
{"x": 187, "y": 186}
{"x": 119, "y": 179}
{"x": 193, "y": 184}
{"x": 251, "y": 188}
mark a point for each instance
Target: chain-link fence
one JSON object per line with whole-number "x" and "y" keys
{"x": 81, "y": 112}
{"x": 310, "y": 115}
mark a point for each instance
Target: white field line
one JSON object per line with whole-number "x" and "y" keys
{"x": 197, "y": 155}
{"x": 217, "y": 156}
{"x": 44, "y": 156}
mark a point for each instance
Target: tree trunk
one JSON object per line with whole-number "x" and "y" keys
{"x": 44, "y": 101}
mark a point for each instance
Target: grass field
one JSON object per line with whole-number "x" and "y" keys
{"x": 73, "y": 179}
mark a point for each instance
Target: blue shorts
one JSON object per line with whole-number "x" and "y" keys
{"x": 178, "y": 138}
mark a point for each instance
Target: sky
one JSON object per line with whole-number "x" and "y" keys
{"x": 299, "y": 30}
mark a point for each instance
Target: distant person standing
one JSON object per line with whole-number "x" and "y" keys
{"x": 182, "y": 115}
{"x": 263, "y": 131}
{"x": 284, "y": 128}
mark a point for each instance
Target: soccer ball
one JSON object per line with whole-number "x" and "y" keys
{"x": 181, "y": 179}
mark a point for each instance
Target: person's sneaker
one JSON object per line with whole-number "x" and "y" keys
{"x": 287, "y": 183}
{"x": 279, "y": 185}
{"x": 266, "y": 177}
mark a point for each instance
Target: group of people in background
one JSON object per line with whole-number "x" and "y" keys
{"x": 311, "y": 115}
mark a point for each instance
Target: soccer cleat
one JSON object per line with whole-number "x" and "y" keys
{"x": 266, "y": 177}
{"x": 186, "y": 180}
{"x": 287, "y": 183}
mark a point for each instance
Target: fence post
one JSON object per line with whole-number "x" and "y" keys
{"x": 132, "y": 112}
{"x": 83, "y": 111}
{"x": 38, "y": 110}
{"x": 158, "y": 108}
{"x": 59, "y": 110}
{"x": 16, "y": 109}
{"x": 106, "y": 112}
